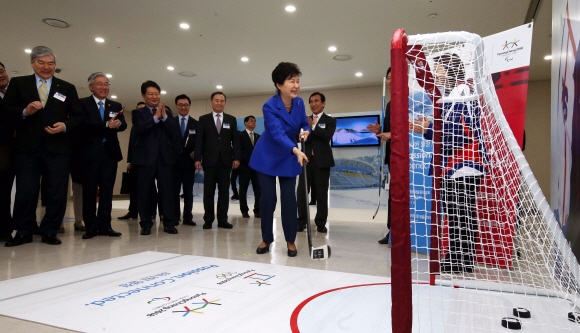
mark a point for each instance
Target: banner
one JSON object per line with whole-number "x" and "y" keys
{"x": 508, "y": 57}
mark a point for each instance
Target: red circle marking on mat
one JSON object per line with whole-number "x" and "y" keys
{"x": 296, "y": 312}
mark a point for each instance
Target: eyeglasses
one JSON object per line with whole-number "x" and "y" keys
{"x": 2, "y": 71}
{"x": 182, "y": 105}
{"x": 101, "y": 84}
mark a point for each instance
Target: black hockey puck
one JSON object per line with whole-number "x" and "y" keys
{"x": 574, "y": 316}
{"x": 522, "y": 313}
{"x": 511, "y": 323}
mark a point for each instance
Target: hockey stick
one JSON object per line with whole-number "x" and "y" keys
{"x": 382, "y": 151}
{"x": 322, "y": 252}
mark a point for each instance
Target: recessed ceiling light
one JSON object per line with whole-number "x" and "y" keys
{"x": 170, "y": 68}
{"x": 245, "y": 59}
{"x": 219, "y": 87}
{"x": 432, "y": 15}
{"x": 184, "y": 26}
{"x": 359, "y": 74}
{"x": 28, "y": 51}
{"x": 108, "y": 76}
{"x": 163, "y": 92}
{"x": 548, "y": 57}
{"x": 99, "y": 40}
{"x": 113, "y": 96}
{"x": 332, "y": 48}
{"x": 290, "y": 8}
{"x": 187, "y": 73}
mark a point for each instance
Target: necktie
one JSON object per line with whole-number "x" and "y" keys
{"x": 101, "y": 110}
{"x": 153, "y": 111}
{"x": 315, "y": 119}
{"x": 252, "y": 137}
{"x": 218, "y": 123}
{"x": 43, "y": 93}
{"x": 182, "y": 127}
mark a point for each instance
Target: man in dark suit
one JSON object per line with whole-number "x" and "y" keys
{"x": 217, "y": 148}
{"x": 184, "y": 170}
{"x": 248, "y": 140}
{"x": 47, "y": 109}
{"x": 157, "y": 147}
{"x": 133, "y": 212}
{"x": 6, "y": 166}
{"x": 103, "y": 120}
{"x": 320, "y": 160}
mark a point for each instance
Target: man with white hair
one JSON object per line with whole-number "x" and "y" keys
{"x": 44, "y": 110}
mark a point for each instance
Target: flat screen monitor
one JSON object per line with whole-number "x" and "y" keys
{"x": 352, "y": 131}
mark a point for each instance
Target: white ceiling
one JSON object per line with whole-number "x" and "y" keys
{"x": 142, "y": 38}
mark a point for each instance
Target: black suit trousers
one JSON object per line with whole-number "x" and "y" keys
{"x": 98, "y": 174}
{"x": 6, "y": 181}
{"x": 184, "y": 177}
{"x": 248, "y": 174}
{"x": 54, "y": 170}
{"x": 217, "y": 175}
{"x": 164, "y": 175}
{"x": 134, "y": 195}
{"x": 320, "y": 185}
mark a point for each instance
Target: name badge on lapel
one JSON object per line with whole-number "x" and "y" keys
{"x": 323, "y": 125}
{"x": 59, "y": 96}
{"x": 191, "y": 132}
{"x": 112, "y": 114}
{"x": 226, "y": 125}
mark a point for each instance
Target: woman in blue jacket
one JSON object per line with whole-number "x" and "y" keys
{"x": 277, "y": 155}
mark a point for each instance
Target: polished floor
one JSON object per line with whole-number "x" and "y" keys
{"x": 354, "y": 247}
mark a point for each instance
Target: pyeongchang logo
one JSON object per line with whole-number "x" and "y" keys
{"x": 509, "y": 49}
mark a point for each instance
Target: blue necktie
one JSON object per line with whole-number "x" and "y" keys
{"x": 182, "y": 127}
{"x": 101, "y": 110}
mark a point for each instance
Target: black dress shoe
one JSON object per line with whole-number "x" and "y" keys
{"x": 18, "y": 240}
{"x": 80, "y": 228}
{"x": 170, "y": 230}
{"x": 127, "y": 216}
{"x": 321, "y": 229}
{"x": 301, "y": 227}
{"x": 262, "y": 250}
{"x": 207, "y": 225}
{"x": 89, "y": 234}
{"x": 257, "y": 215}
{"x": 50, "y": 240}
{"x": 235, "y": 197}
{"x": 292, "y": 253}
{"x": 110, "y": 233}
{"x": 145, "y": 231}
{"x": 190, "y": 223}
{"x": 386, "y": 239}
{"x": 245, "y": 215}
{"x": 6, "y": 238}
{"x": 225, "y": 225}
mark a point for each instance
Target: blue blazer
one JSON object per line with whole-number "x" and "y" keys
{"x": 273, "y": 152}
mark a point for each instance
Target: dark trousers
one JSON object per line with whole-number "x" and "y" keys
{"x": 217, "y": 175}
{"x": 164, "y": 175}
{"x": 6, "y": 181}
{"x": 233, "y": 178}
{"x": 268, "y": 205}
{"x": 248, "y": 174}
{"x": 321, "y": 177}
{"x": 100, "y": 174}
{"x": 185, "y": 177}
{"x": 134, "y": 195}
{"x": 54, "y": 170}
{"x": 459, "y": 205}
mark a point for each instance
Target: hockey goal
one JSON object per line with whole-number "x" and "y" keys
{"x": 474, "y": 239}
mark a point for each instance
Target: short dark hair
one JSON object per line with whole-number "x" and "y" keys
{"x": 322, "y": 98}
{"x": 388, "y": 72}
{"x": 1, "y": 64}
{"x": 218, "y": 93}
{"x": 283, "y": 71}
{"x": 248, "y": 118}
{"x": 149, "y": 84}
{"x": 453, "y": 66}
{"x": 182, "y": 96}
{"x": 140, "y": 104}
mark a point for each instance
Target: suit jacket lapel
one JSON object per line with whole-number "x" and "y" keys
{"x": 54, "y": 87}
{"x": 283, "y": 113}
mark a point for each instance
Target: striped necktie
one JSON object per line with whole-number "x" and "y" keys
{"x": 43, "y": 92}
